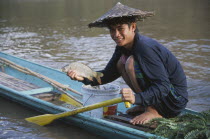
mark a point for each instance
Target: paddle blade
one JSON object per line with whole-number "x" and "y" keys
{"x": 42, "y": 120}
{"x": 69, "y": 100}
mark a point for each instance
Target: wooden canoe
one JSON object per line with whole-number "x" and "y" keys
{"x": 45, "y": 96}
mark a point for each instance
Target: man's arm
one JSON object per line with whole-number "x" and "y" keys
{"x": 110, "y": 71}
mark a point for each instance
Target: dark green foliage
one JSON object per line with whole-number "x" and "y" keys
{"x": 187, "y": 126}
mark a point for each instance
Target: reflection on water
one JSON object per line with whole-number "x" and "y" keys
{"x": 54, "y": 33}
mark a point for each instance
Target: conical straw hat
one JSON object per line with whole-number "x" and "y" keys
{"x": 119, "y": 11}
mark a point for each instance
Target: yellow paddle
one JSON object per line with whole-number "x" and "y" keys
{"x": 69, "y": 100}
{"x": 48, "y": 118}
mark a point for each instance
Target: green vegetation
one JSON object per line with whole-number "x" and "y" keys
{"x": 188, "y": 126}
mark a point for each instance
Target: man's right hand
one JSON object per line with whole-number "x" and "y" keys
{"x": 74, "y": 76}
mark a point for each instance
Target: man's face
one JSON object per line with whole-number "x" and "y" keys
{"x": 122, "y": 34}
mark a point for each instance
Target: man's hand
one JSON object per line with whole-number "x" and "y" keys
{"x": 127, "y": 95}
{"x": 73, "y": 75}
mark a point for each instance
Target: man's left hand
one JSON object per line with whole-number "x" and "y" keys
{"x": 127, "y": 95}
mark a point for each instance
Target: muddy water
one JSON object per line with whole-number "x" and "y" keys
{"x": 54, "y": 33}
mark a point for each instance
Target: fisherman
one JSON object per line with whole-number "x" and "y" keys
{"x": 156, "y": 78}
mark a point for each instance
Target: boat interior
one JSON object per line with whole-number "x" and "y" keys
{"x": 46, "y": 94}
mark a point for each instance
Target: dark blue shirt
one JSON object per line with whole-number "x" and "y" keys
{"x": 160, "y": 68}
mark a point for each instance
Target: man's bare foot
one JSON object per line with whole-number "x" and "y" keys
{"x": 144, "y": 118}
{"x": 136, "y": 110}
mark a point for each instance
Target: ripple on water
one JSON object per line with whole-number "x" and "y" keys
{"x": 15, "y": 129}
{"x": 193, "y": 55}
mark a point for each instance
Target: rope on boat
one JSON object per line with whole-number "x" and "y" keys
{"x": 54, "y": 83}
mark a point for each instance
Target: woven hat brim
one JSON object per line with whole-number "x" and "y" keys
{"x": 120, "y": 11}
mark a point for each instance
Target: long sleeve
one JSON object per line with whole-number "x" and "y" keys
{"x": 156, "y": 61}
{"x": 110, "y": 71}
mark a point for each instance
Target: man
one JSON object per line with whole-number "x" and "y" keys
{"x": 151, "y": 71}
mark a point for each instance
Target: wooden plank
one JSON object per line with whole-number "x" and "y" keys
{"x": 16, "y": 84}
{"x": 2, "y": 67}
{"x": 15, "y": 81}
{"x": 9, "y": 80}
{"x": 51, "y": 96}
{"x": 125, "y": 120}
{"x": 37, "y": 91}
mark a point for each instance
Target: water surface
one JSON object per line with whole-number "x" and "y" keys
{"x": 54, "y": 33}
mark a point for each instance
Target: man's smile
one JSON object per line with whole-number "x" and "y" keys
{"x": 118, "y": 40}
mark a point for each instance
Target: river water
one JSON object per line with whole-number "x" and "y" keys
{"x": 54, "y": 33}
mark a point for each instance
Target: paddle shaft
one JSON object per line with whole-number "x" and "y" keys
{"x": 89, "y": 107}
{"x": 48, "y": 118}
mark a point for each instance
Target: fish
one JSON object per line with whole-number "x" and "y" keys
{"x": 83, "y": 71}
